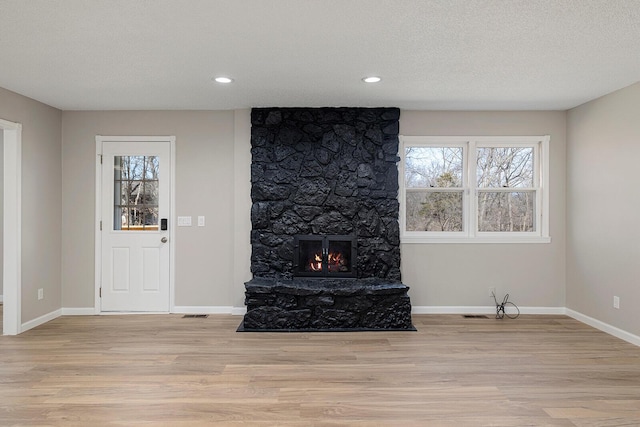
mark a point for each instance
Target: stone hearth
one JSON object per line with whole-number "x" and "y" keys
{"x": 317, "y": 172}
{"x": 328, "y": 304}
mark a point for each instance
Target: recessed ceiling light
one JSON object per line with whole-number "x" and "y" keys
{"x": 371, "y": 79}
{"x": 223, "y": 79}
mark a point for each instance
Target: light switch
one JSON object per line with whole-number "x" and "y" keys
{"x": 184, "y": 221}
{"x": 201, "y": 221}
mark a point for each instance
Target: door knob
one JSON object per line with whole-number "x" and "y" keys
{"x": 164, "y": 240}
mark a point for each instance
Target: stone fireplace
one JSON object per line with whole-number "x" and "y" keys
{"x": 325, "y": 234}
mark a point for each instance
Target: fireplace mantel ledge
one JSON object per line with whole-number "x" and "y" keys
{"x": 337, "y": 286}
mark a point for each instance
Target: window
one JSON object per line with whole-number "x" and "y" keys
{"x": 136, "y": 193}
{"x": 474, "y": 189}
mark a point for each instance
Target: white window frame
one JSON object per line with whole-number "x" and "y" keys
{"x": 470, "y": 234}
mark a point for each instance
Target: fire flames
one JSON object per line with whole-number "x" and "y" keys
{"x": 316, "y": 264}
{"x": 335, "y": 262}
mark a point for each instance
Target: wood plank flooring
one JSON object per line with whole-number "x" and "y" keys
{"x": 164, "y": 370}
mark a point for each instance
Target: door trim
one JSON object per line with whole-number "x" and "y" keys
{"x": 12, "y": 228}
{"x": 98, "y": 211}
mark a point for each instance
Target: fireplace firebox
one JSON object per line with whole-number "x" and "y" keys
{"x": 324, "y": 256}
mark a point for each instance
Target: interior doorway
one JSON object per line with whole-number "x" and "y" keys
{"x": 11, "y": 227}
{"x": 1, "y": 208}
{"x": 1, "y": 215}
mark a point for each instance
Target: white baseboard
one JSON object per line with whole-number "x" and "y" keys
{"x": 187, "y": 309}
{"x": 604, "y": 327}
{"x": 129, "y": 313}
{"x": 439, "y": 309}
{"x": 239, "y": 311}
{"x": 40, "y": 320}
{"x": 544, "y": 310}
{"x": 78, "y": 311}
{"x": 90, "y": 311}
{"x": 442, "y": 309}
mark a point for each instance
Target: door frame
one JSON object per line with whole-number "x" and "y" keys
{"x": 172, "y": 213}
{"x": 12, "y": 228}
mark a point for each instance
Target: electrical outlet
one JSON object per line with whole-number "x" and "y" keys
{"x": 492, "y": 291}
{"x": 616, "y": 302}
{"x": 201, "y": 221}
{"x": 40, "y": 293}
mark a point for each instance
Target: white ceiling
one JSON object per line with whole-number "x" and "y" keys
{"x": 431, "y": 54}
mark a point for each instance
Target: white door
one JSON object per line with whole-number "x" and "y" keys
{"x": 135, "y": 207}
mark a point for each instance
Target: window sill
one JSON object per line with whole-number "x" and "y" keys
{"x": 472, "y": 240}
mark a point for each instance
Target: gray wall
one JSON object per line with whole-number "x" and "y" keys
{"x": 592, "y": 256}
{"x": 41, "y": 201}
{"x": 603, "y": 203}
{"x": 213, "y": 154}
{"x": 204, "y": 186}
{"x": 461, "y": 274}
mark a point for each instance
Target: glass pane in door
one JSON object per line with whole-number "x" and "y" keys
{"x": 135, "y": 190}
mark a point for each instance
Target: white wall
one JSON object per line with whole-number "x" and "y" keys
{"x": 603, "y": 249}
{"x": 460, "y": 274}
{"x": 41, "y": 201}
{"x": 204, "y": 186}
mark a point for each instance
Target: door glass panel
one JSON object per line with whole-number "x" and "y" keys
{"x": 135, "y": 193}
{"x": 339, "y": 256}
{"x": 310, "y": 256}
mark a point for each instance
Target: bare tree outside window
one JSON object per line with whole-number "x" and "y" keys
{"x": 476, "y": 189}
{"x": 433, "y": 182}
{"x": 507, "y": 169}
{"x": 136, "y": 193}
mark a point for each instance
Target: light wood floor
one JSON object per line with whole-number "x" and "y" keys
{"x": 163, "y": 370}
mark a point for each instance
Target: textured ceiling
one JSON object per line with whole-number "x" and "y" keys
{"x": 438, "y": 54}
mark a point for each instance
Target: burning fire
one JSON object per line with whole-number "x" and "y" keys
{"x": 335, "y": 262}
{"x": 316, "y": 264}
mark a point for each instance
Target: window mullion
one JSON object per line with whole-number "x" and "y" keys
{"x": 472, "y": 189}
{"x": 544, "y": 186}
{"x": 537, "y": 175}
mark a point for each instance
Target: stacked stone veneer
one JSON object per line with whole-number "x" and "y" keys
{"x": 325, "y": 171}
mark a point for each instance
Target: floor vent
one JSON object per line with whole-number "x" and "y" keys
{"x": 195, "y": 316}
{"x": 474, "y": 316}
